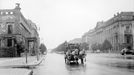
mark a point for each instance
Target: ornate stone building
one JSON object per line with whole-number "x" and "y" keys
{"x": 119, "y": 31}
{"x": 16, "y": 29}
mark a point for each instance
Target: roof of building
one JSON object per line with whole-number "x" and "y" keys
{"x": 118, "y": 17}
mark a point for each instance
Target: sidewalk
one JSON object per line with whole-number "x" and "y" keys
{"x": 21, "y": 62}
{"x": 18, "y": 66}
{"x": 15, "y": 72}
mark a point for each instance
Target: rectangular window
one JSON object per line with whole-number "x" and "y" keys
{"x": 9, "y": 29}
{"x": 9, "y": 42}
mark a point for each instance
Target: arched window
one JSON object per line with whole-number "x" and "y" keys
{"x": 11, "y": 12}
{"x": 1, "y": 13}
{"x": 6, "y": 12}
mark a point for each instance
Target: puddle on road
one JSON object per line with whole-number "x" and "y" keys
{"x": 73, "y": 67}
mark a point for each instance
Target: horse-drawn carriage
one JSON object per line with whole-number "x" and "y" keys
{"x": 74, "y": 53}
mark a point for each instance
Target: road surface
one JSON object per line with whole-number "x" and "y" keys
{"x": 96, "y": 64}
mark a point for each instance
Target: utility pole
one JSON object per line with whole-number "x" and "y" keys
{"x": 26, "y": 50}
{"x": 26, "y": 55}
{"x": 37, "y": 49}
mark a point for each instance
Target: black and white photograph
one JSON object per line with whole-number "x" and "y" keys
{"x": 66, "y": 37}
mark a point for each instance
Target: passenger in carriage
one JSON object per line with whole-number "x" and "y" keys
{"x": 68, "y": 52}
{"x": 76, "y": 52}
{"x": 82, "y": 52}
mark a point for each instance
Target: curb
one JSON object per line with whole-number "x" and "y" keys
{"x": 16, "y": 72}
{"x": 31, "y": 65}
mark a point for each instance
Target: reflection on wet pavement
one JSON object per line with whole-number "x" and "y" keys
{"x": 97, "y": 64}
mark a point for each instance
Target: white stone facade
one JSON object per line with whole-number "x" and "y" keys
{"x": 119, "y": 31}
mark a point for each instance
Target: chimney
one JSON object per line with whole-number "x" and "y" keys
{"x": 17, "y": 6}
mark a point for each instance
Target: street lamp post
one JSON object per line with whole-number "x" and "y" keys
{"x": 37, "y": 50}
{"x": 26, "y": 50}
{"x": 26, "y": 55}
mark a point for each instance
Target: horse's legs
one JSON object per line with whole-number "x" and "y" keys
{"x": 82, "y": 60}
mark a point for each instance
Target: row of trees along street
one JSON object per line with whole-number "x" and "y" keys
{"x": 62, "y": 47}
{"x": 42, "y": 48}
{"x": 104, "y": 47}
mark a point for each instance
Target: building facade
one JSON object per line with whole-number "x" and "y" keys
{"x": 119, "y": 31}
{"x": 16, "y": 32}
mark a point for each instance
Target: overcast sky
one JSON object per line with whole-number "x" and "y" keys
{"x": 61, "y": 20}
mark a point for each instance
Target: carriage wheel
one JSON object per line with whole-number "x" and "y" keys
{"x": 66, "y": 61}
{"x": 77, "y": 62}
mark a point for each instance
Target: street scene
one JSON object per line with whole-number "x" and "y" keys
{"x": 66, "y": 37}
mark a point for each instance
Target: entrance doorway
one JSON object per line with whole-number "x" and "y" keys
{"x": 129, "y": 41}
